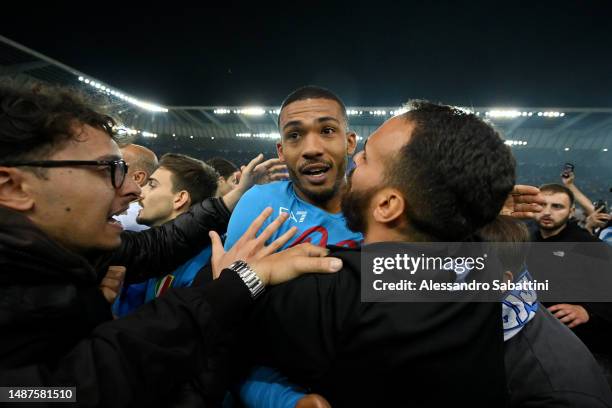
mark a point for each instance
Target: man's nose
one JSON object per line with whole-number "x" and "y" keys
{"x": 130, "y": 189}
{"x": 313, "y": 146}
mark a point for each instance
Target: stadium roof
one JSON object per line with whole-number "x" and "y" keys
{"x": 585, "y": 128}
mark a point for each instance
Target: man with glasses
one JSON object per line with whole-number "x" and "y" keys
{"x": 62, "y": 182}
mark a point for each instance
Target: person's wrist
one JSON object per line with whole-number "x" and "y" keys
{"x": 251, "y": 279}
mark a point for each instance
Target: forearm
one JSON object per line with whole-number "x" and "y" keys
{"x": 581, "y": 199}
{"x": 231, "y": 199}
{"x": 162, "y": 249}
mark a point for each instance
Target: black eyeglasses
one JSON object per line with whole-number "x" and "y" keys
{"x": 118, "y": 168}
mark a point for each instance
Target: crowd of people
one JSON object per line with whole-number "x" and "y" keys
{"x": 170, "y": 281}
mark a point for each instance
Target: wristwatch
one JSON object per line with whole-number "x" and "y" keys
{"x": 249, "y": 277}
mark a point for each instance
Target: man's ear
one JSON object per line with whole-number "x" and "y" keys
{"x": 572, "y": 211}
{"x": 508, "y": 276}
{"x": 351, "y": 143}
{"x": 139, "y": 177}
{"x": 279, "y": 151}
{"x": 15, "y": 191}
{"x": 389, "y": 206}
{"x": 182, "y": 201}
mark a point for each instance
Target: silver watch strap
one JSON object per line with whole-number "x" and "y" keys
{"x": 249, "y": 277}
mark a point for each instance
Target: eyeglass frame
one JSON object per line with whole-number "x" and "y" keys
{"x": 113, "y": 164}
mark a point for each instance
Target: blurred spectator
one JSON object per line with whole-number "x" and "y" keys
{"x": 229, "y": 174}
{"x": 141, "y": 162}
{"x": 178, "y": 183}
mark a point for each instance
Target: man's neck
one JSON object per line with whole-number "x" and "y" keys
{"x": 551, "y": 233}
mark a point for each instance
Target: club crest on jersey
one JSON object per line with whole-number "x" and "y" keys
{"x": 163, "y": 284}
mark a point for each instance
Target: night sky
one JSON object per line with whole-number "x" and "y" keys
{"x": 521, "y": 53}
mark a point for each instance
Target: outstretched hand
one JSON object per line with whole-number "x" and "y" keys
{"x": 523, "y": 202}
{"x": 271, "y": 267}
{"x": 261, "y": 172}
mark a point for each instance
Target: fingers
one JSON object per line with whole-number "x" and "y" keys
{"x": 216, "y": 244}
{"x": 568, "y": 318}
{"x": 554, "y": 308}
{"x": 308, "y": 249}
{"x": 278, "y": 176}
{"x": 308, "y": 264}
{"x": 115, "y": 272}
{"x": 253, "y": 163}
{"x": 527, "y": 208}
{"x": 272, "y": 228}
{"x": 279, "y": 242}
{"x": 256, "y": 225}
{"x": 521, "y": 189}
{"x": 575, "y": 323}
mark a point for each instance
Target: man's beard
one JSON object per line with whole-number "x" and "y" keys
{"x": 555, "y": 225}
{"x": 355, "y": 206}
{"x": 324, "y": 196}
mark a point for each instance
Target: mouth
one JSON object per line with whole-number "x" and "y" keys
{"x": 315, "y": 173}
{"x": 112, "y": 218}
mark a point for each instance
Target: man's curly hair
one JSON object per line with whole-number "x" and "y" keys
{"x": 37, "y": 120}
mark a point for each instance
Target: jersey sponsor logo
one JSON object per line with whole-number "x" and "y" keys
{"x": 298, "y": 216}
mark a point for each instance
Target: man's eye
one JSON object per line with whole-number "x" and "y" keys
{"x": 328, "y": 130}
{"x": 292, "y": 135}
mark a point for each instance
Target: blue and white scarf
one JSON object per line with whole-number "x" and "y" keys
{"x": 518, "y": 307}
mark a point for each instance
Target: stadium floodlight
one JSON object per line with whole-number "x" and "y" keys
{"x": 191, "y": 137}
{"x": 511, "y": 142}
{"x": 251, "y": 111}
{"x": 243, "y": 135}
{"x": 352, "y": 112}
{"x": 566, "y": 149}
{"x": 221, "y": 111}
{"x": 148, "y": 134}
{"x": 605, "y": 149}
{"x": 123, "y": 130}
{"x": 503, "y": 114}
{"x": 112, "y": 92}
{"x": 267, "y": 135}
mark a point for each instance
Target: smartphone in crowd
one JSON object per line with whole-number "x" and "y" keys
{"x": 568, "y": 169}
{"x": 601, "y": 203}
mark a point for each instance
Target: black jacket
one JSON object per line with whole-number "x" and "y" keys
{"x": 56, "y": 327}
{"x": 597, "y": 332}
{"x": 548, "y": 367}
{"x": 316, "y": 330}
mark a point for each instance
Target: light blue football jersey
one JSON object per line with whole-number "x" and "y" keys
{"x": 314, "y": 225}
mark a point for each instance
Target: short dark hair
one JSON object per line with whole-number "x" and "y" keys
{"x": 515, "y": 236}
{"x": 224, "y": 167}
{"x": 191, "y": 175}
{"x": 36, "y": 120}
{"x": 455, "y": 172}
{"x": 558, "y": 188}
{"x": 313, "y": 92}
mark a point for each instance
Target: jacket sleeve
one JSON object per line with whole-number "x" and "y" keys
{"x": 136, "y": 360}
{"x": 162, "y": 249}
{"x": 295, "y": 326}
